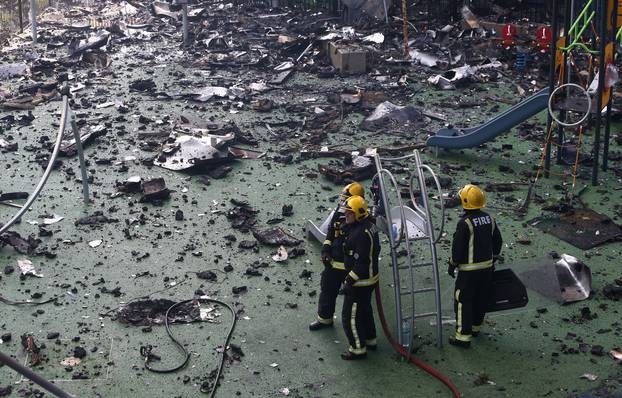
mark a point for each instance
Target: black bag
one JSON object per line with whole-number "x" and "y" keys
{"x": 507, "y": 291}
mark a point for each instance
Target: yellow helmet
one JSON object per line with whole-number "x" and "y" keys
{"x": 357, "y": 205}
{"x": 352, "y": 189}
{"x": 472, "y": 197}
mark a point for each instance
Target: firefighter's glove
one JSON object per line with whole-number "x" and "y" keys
{"x": 451, "y": 269}
{"x": 347, "y": 288}
{"x": 325, "y": 256}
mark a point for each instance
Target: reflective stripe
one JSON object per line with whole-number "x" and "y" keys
{"x": 325, "y": 321}
{"x": 357, "y": 351}
{"x": 353, "y": 275}
{"x": 463, "y": 337}
{"x": 476, "y": 266}
{"x": 368, "y": 282}
{"x": 357, "y": 341}
{"x": 471, "y": 238}
{"x": 371, "y": 254}
{"x": 459, "y": 314}
{"x": 328, "y": 242}
{"x": 338, "y": 265}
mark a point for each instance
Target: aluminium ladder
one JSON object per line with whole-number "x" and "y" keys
{"x": 420, "y": 234}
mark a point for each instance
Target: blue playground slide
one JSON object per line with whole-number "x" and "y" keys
{"x": 468, "y": 138}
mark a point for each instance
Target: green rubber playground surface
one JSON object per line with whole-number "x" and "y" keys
{"x": 541, "y": 350}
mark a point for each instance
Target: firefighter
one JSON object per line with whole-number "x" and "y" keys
{"x": 476, "y": 244}
{"x": 332, "y": 256}
{"x": 361, "y": 251}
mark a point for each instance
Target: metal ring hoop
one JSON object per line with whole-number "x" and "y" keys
{"x": 587, "y": 113}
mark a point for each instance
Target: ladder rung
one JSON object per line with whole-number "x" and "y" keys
{"x": 419, "y": 238}
{"x": 415, "y": 265}
{"x": 425, "y": 315}
{"x": 423, "y": 290}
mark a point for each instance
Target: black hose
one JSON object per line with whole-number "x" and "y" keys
{"x": 16, "y": 366}
{"x": 227, "y": 340}
{"x": 34, "y": 303}
{"x": 145, "y": 351}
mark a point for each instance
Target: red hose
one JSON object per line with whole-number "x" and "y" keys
{"x": 433, "y": 372}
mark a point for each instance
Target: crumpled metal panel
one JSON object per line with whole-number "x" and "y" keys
{"x": 574, "y": 277}
{"x": 565, "y": 279}
{"x": 188, "y": 151}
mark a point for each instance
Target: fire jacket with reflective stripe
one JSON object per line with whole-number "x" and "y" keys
{"x": 476, "y": 240}
{"x": 361, "y": 249}
{"x": 334, "y": 239}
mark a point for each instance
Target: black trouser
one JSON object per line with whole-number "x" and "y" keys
{"x": 329, "y": 290}
{"x": 358, "y": 318}
{"x": 471, "y": 297}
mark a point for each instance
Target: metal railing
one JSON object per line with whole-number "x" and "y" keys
{"x": 64, "y": 119}
{"x": 27, "y": 372}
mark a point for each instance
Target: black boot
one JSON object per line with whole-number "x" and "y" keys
{"x": 459, "y": 343}
{"x": 350, "y": 356}
{"x": 317, "y": 325}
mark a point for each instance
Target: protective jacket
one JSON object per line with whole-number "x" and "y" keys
{"x": 361, "y": 250}
{"x": 476, "y": 241}
{"x": 335, "y": 237}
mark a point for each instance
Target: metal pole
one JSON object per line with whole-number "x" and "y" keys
{"x": 614, "y": 28}
{"x": 16, "y": 366}
{"x": 568, "y": 17}
{"x": 405, "y": 26}
{"x": 76, "y": 135}
{"x": 549, "y": 119}
{"x": 185, "y": 22}
{"x": 386, "y": 11}
{"x": 33, "y": 20}
{"x": 21, "y": 16}
{"x": 601, "y": 86}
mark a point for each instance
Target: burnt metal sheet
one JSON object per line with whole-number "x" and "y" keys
{"x": 241, "y": 153}
{"x": 275, "y": 237}
{"x": 565, "y": 279}
{"x": 79, "y": 46}
{"x": 387, "y": 114}
{"x": 583, "y": 228}
{"x": 153, "y": 312}
{"x": 188, "y": 151}
{"x": 155, "y": 189}
{"x": 161, "y": 9}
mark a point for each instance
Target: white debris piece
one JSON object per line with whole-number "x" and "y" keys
{"x": 377, "y": 38}
{"x": 11, "y": 70}
{"x": 27, "y": 268}
{"x": 589, "y": 376}
{"x": 281, "y": 254}
{"x": 95, "y": 243}
{"x": 70, "y": 362}
{"x": 259, "y": 86}
{"x": 53, "y": 220}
